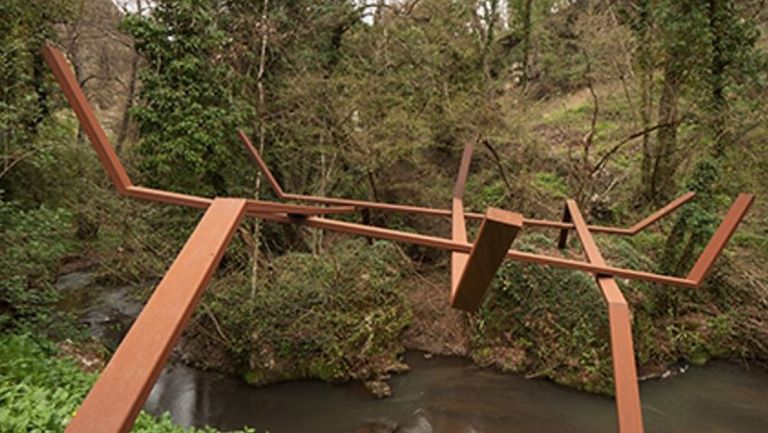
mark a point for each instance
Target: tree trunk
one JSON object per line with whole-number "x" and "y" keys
{"x": 526, "y": 42}
{"x": 666, "y": 156}
{"x": 125, "y": 121}
{"x": 262, "y": 140}
{"x": 645, "y": 66}
{"x": 717, "y": 9}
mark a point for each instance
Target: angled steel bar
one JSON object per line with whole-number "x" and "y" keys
{"x": 562, "y": 241}
{"x": 629, "y": 411}
{"x": 122, "y": 388}
{"x": 458, "y": 222}
{"x": 638, "y": 227}
{"x": 497, "y": 231}
{"x": 650, "y": 219}
{"x": 84, "y": 113}
{"x": 532, "y": 222}
{"x": 253, "y": 207}
{"x": 722, "y": 235}
{"x": 280, "y": 193}
{"x": 99, "y": 141}
{"x": 450, "y": 245}
{"x": 254, "y": 154}
{"x": 116, "y": 399}
{"x": 117, "y": 172}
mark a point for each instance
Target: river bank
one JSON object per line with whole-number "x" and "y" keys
{"x": 439, "y": 393}
{"x": 450, "y": 395}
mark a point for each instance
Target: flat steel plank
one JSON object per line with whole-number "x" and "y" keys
{"x": 84, "y": 113}
{"x": 419, "y": 210}
{"x": 122, "y": 388}
{"x": 647, "y": 221}
{"x": 628, "y": 408}
{"x": 451, "y": 245}
{"x": 497, "y": 231}
{"x": 722, "y": 235}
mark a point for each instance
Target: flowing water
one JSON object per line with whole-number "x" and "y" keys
{"x": 448, "y": 395}
{"x": 441, "y": 395}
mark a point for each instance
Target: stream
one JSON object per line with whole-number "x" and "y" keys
{"x": 441, "y": 395}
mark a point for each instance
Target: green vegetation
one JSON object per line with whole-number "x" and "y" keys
{"x": 552, "y": 323}
{"x": 333, "y": 317}
{"x": 39, "y": 391}
{"x": 619, "y": 105}
{"x": 34, "y": 241}
{"x": 187, "y": 131}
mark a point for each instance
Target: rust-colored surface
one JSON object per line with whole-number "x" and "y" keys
{"x": 450, "y": 245}
{"x": 497, "y": 231}
{"x": 122, "y": 388}
{"x": 650, "y": 219}
{"x": 721, "y": 237}
{"x": 115, "y": 169}
{"x": 458, "y": 222}
{"x": 84, "y": 113}
{"x": 530, "y": 222}
{"x": 628, "y": 409}
{"x": 118, "y": 395}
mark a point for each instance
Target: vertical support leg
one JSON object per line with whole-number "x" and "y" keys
{"x": 458, "y": 234}
{"x": 458, "y": 223}
{"x": 628, "y": 408}
{"x": 120, "y": 392}
{"x": 562, "y": 241}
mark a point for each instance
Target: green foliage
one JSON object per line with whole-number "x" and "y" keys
{"x": 40, "y": 392}
{"x": 696, "y": 222}
{"x": 332, "y": 317}
{"x": 551, "y": 183}
{"x": 192, "y": 107}
{"x": 34, "y": 240}
{"x": 25, "y": 93}
{"x": 555, "y": 317}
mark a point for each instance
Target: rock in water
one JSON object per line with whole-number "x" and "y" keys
{"x": 379, "y": 388}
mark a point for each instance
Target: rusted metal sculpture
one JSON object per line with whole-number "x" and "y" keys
{"x": 121, "y": 390}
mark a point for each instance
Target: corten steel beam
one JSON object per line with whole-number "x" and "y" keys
{"x": 122, "y": 388}
{"x": 650, "y": 219}
{"x": 629, "y": 411}
{"x": 635, "y": 229}
{"x": 82, "y": 109}
{"x": 450, "y": 245}
{"x": 497, "y": 231}
{"x": 532, "y": 222}
{"x": 722, "y": 235}
{"x": 562, "y": 241}
{"x": 263, "y": 209}
{"x": 115, "y": 169}
{"x": 116, "y": 399}
{"x": 267, "y": 210}
{"x": 252, "y": 207}
{"x": 458, "y": 223}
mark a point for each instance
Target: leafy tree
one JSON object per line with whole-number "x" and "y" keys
{"x": 191, "y": 105}
{"x": 25, "y": 93}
